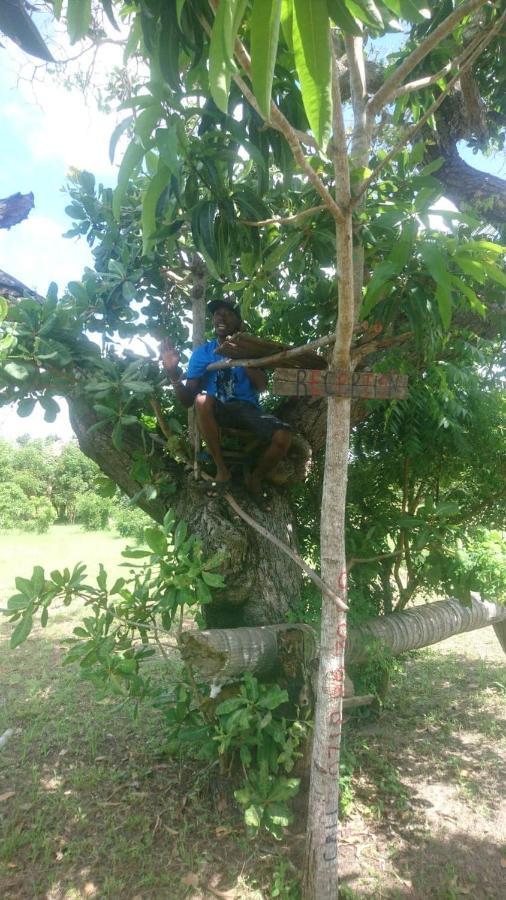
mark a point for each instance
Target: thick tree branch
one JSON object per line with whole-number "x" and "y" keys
{"x": 386, "y": 92}
{"x": 274, "y": 358}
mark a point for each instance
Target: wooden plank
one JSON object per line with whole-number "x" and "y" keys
{"x": 336, "y": 383}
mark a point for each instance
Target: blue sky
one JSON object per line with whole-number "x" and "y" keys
{"x": 46, "y": 129}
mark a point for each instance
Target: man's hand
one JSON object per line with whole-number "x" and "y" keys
{"x": 170, "y": 358}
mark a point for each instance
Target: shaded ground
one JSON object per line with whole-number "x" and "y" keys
{"x": 90, "y": 807}
{"x": 428, "y": 818}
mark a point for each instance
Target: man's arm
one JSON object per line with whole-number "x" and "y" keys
{"x": 185, "y": 393}
{"x": 258, "y": 378}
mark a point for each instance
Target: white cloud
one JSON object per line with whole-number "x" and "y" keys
{"x": 62, "y": 127}
{"x": 36, "y": 253}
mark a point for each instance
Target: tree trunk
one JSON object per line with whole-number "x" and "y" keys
{"x": 262, "y": 583}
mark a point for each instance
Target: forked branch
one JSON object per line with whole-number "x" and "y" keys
{"x": 386, "y": 92}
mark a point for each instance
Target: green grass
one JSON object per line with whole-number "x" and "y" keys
{"x": 63, "y": 545}
{"x": 90, "y": 805}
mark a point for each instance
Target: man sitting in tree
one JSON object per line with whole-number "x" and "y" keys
{"x": 227, "y": 398}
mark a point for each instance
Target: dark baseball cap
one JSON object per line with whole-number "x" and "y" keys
{"x": 217, "y": 304}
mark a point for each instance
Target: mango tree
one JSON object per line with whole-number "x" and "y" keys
{"x": 241, "y": 149}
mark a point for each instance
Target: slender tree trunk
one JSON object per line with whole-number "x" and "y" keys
{"x": 321, "y": 857}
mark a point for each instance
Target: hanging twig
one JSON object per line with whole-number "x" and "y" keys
{"x": 160, "y": 418}
{"x": 315, "y": 578}
{"x": 286, "y": 220}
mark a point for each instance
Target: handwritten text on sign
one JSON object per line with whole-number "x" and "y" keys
{"x": 315, "y": 383}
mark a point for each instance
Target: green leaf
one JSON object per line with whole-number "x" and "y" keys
{"x": 280, "y": 814}
{"x": 21, "y": 631}
{"x": 474, "y": 301}
{"x": 117, "y": 133}
{"x": 44, "y": 616}
{"x": 265, "y": 21}
{"x": 366, "y": 11}
{"x": 4, "y": 307}
{"x": 78, "y": 19}
{"x": 253, "y": 816}
{"x": 77, "y": 289}
{"x": 230, "y": 705}
{"x": 149, "y": 204}
{"x": 117, "y": 436}
{"x": 203, "y": 231}
{"x": 131, "y": 160}
{"x": 495, "y": 273}
{"x": 180, "y": 534}
{"x": 432, "y": 166}
{"x": 287, "y": 22}
{"x": 156, "y": 540}
{"x": 311, "y": 35}
{"x": 106, "y": 487}
{"x": 145, "y": 124}
{"x": 378, "y": 284}
{"x": 51, "y": 408}
{"x": 213, "y": 579}
{"x": 135, "y": 554}
{"x": 436, "y": 263}
{"x": 414, "y": 11}
{"x": 342, "y": 17}
{"x": 221, "y": 64}
{"x": 166, "y": 141}
{"x": 274, "y": 698}
{"x": 37, "y": 579}
{"x": 25, "y": 407}
{"x": 17, "y": 602}
{"x": 107, "y": 4}
{"x": 16, "y": 371}
{"x": 471, "y": 267}
{"x": 445, "y": 304}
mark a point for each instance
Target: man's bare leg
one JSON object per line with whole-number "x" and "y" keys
{"x": 204, "y": 410}
{"x": 276, "y": 451}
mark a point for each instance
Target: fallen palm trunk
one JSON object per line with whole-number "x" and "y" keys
{"x": 221, "y": 654}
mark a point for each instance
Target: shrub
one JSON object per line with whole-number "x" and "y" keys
{"x": 129, "y": 521}
{"x": 14, "y": 506}
{"x": 19, "y": 511}
{"x": 92, "y": 511}
{"x": 42, "y": 515}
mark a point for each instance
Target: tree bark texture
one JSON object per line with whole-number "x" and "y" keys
{"x": 262, "y": 584}
{"x": 223, "y": 654}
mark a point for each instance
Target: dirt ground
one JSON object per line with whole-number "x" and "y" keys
{"x": 91, "y": 808}
{"x": 429, "y": 818}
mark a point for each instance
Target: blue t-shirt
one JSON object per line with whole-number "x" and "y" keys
{"x": 224, "y": 384}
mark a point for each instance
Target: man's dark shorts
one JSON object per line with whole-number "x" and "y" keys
{"x": 247, "y": 417}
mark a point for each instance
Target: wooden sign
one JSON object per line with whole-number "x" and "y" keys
{"x": 336, "y": 383}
